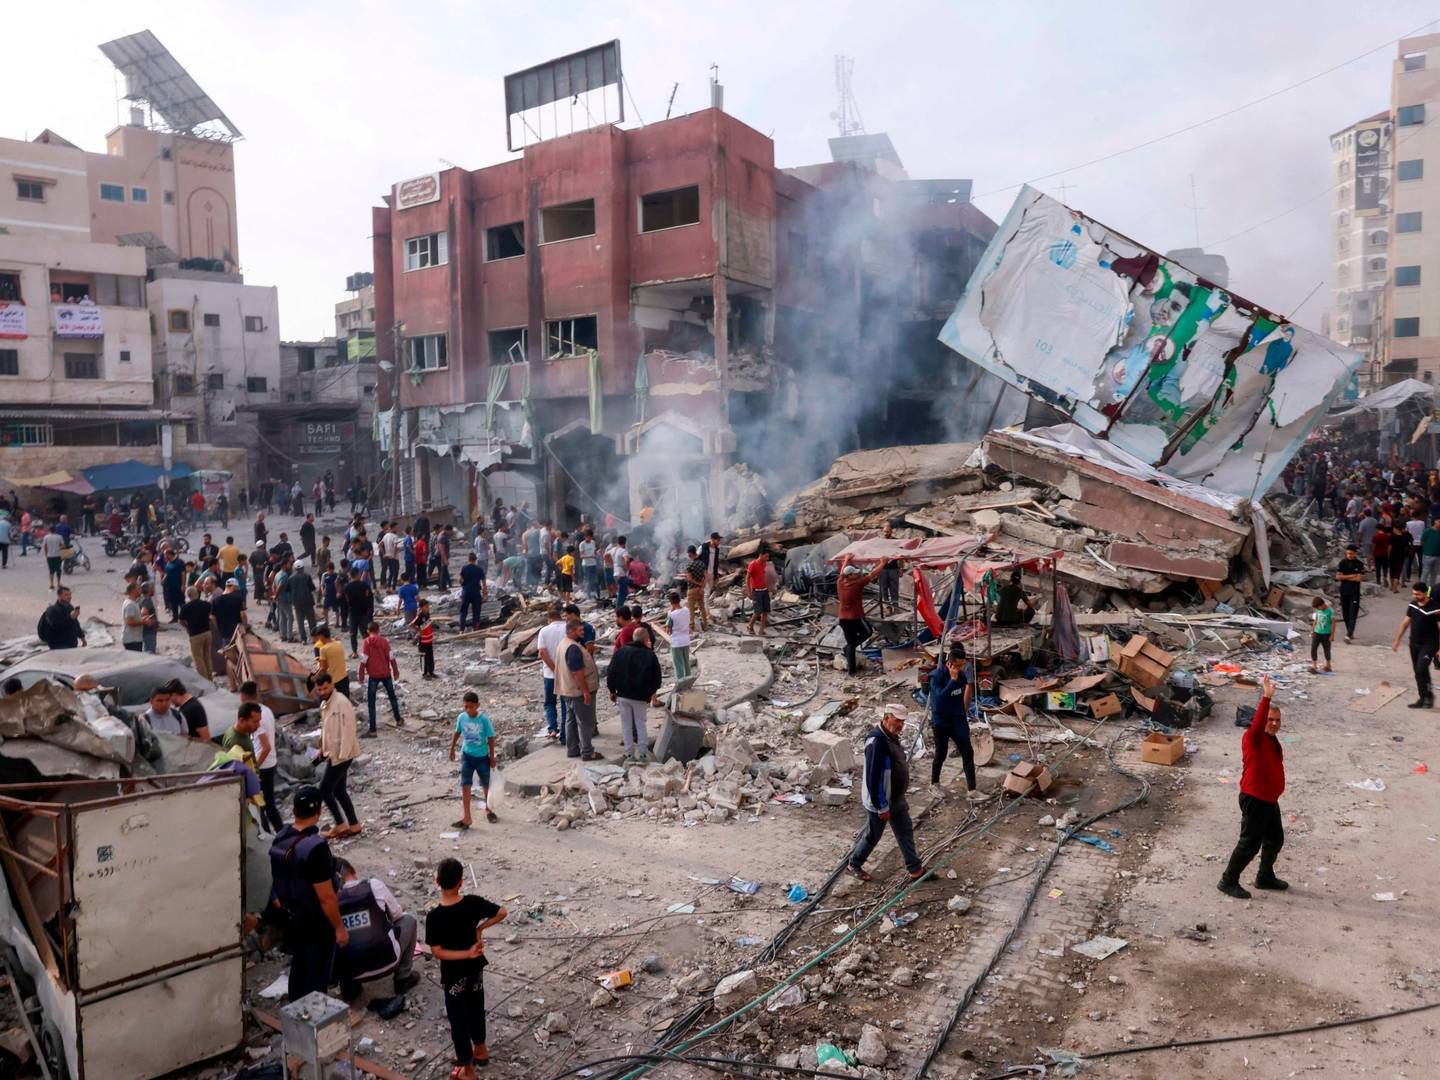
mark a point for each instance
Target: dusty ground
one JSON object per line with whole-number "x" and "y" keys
{"x": 594, "y": 898}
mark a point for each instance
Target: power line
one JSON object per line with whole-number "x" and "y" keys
{"x": 1394, "y": 146}
{"x": 1210, "y": 119}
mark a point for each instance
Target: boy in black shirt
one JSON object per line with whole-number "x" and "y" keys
{"x": 454, "y": 931}
{"x": 1350, "y": 573}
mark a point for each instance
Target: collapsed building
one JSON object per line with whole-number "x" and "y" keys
{"x": 618, "y": 316}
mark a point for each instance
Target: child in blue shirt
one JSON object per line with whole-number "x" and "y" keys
{"x": 477, "y": 755}
{"x": 409, "y": 596}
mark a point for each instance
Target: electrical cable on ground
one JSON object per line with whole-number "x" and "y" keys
{"x": 1249, "y": 1036}
{"x": 1003, "y": 948}
{"x": 845, "y": 939}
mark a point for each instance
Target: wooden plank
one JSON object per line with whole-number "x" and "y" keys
{"x": 1104, "y": 618}
{"x": 1377, "y": 699}
{"x": 924, "y": 521}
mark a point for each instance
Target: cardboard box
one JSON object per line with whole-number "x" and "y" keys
{"x": 1105, "y": 705}
{"x": 1143, "y": 662}
{"x": 1158, "y": 749}
{"x": 1029, "y": 777}
{"x": 1060, "y": 702}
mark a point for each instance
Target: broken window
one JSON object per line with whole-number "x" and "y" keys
{"x": 427, "y": 352}
{"x": 746, "y": 324}
{"x": 184, "y": 384}
{"x": 505, "y": 241}
{"x": 670, "y": 209}
{"x": 423, "y": 251}
{"x": 215, "y": 380}
{"x": 305, "y": 361}
{"x": 179, "y": 320}
{"x": 571, "y": 337}
{"x": 10, "y": 287}
{"x": 567, "y": 221}
{"x": 257, "y": 384}
{"x": 508, "y": 346}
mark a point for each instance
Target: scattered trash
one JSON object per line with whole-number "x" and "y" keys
{"x": 798, "y": 894}
{"x": 1362, "y": 691}
{"x": 616, "y": 979}
{"x": 1386, "y": 897}
{"x": 680, "y": 909}
{"x": 278, "y": 988}
{"x": 1369, "y": 784}
{"x": 743, "y": 887}
{"x": 830, "y": 1054}
{"x": 1055, "y": 894}
{"x": 840, "y": 928}
{"x": 903, "y": 920}
{"x": 449, "y": 836}
{"x": 749, "y": 942}
{"x": 792, "y": 995}
{"x": 1098, "y": 948}
{"x": 1421, "y": 767}
{"x": 1094, "y": 841}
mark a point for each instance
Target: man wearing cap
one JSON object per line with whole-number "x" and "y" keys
{"x": 885, "y": 779}
{"x": 1351, "y": 575}
{"x": 304, "y": 897}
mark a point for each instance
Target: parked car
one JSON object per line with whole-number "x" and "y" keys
{"x": 131, "y": 675}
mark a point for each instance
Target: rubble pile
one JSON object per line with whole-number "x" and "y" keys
{"x": 714, "y": 788}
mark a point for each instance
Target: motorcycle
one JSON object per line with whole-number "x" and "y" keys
{"x": 74, "y": 556}
{"x": 119, "y": 544}
{"x": 165, "y": 539}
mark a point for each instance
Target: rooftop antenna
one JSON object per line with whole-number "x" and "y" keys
{"x": 848, "y": 114}
{"x": 671, "y": 103}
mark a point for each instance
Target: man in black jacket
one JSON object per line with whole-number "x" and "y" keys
{"x": 307, "y": 537}
{"x": 633, "y": 680}
{"x": 59, "y": 625}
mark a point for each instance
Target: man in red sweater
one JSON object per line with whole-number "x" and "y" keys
{"x": 1262, "y": 781}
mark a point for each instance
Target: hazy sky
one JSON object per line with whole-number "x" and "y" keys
{"x": 338, "y": 100}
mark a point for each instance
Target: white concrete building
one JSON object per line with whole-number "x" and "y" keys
{"x": 1412, "y": 294}
{"x": 1359, "y": 239}
{"x": 217, "y": 351}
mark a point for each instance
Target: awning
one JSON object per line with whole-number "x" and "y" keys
{"x": 1386, "y": 399}
{"x": 59, "y": 480}
{"x": 970, "y": 553}
{"x": 131, "y": 474}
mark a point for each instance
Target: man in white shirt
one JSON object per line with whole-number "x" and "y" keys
{"x": 132, "y": 621}
{"x": 51, "y": 547}
{"x": 382, "y": 934}
{"x": 390, "y": 557}
{"x": 266, "y": 760}
{"x": 549, "y": 642}
{"x": 621, "y": 559}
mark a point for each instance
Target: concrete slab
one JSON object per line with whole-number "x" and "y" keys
{"x": 548, "y": 763}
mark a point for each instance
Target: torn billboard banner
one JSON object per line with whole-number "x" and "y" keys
{"x": 1135, "y": 348}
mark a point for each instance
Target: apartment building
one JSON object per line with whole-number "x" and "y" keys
{"x": 325, "y": 420}
{"x": 1412, "y": 291}
{"x": 1360, "y": 239}
{"x": 75, "y": 355}
{"x": 617, "y": 316}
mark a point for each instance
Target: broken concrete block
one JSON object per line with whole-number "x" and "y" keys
{"x": 834, "y": 796}
{"x": 555, "y": 1023}
{"x": 601, "y": 998}
{"x": 733, "y": 750}
{"x": 725, "y": 795}
{"x": 516, "y": 748}
{"x": 738, "y": 714}
{"x": 736, "y": 989}
{"x": 688, "y": 984}
{"x": 828, "y": 748}
{"x": 477, "y": 677}
{"x": 959, "y": 904}
{"x": 751, "y": 645}
{"x": 872, "y": 1049}
{"x": 903, "y": 976}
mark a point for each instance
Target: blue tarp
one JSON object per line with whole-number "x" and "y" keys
{"x": 130, "y": 474}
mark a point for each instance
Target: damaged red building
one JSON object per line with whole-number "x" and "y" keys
{"x": 617, "y": 316}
